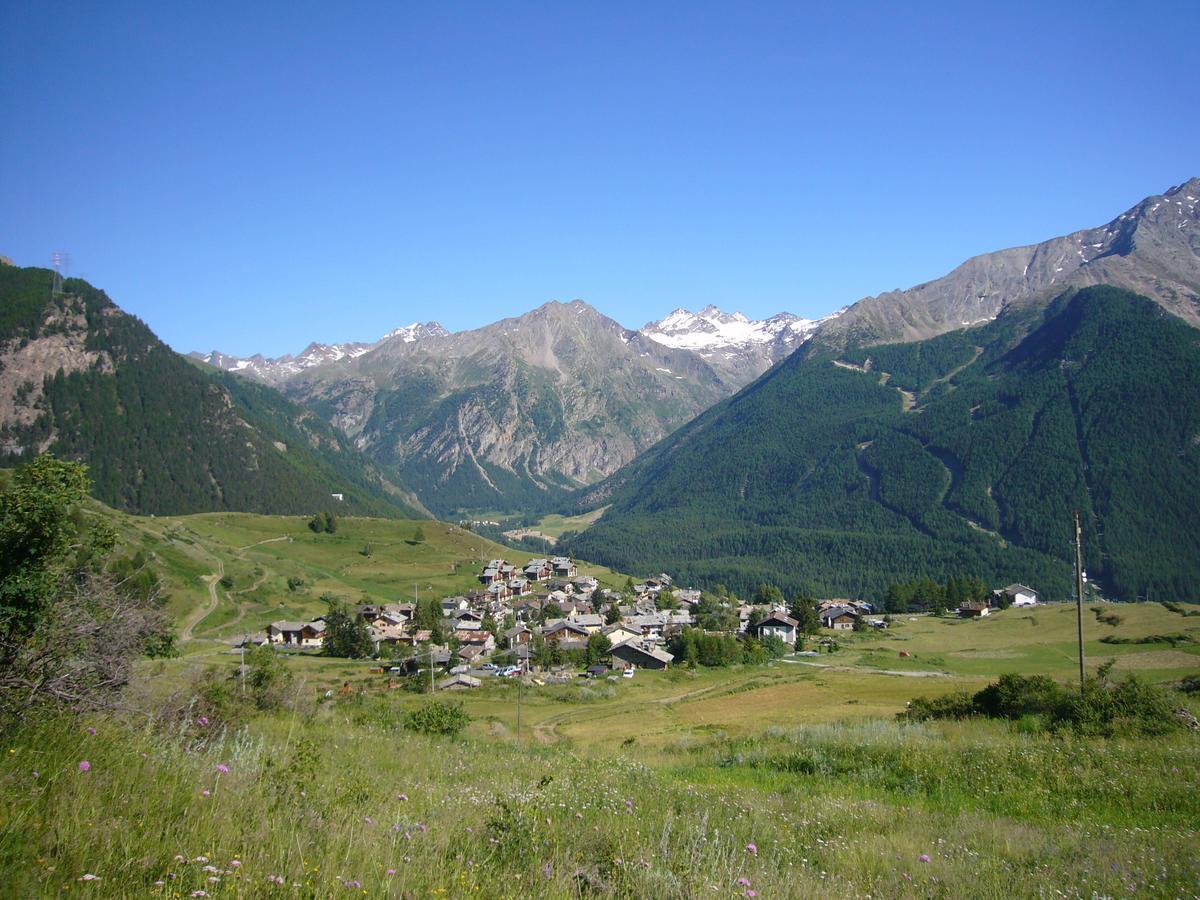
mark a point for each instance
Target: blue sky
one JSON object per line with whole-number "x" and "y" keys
{"x": 252, "y": 177}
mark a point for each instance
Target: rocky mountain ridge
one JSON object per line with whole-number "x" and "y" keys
{"x": 275, "y": 370}
{"x": 515, "y": 413}
{"x": 1153, "y": 249}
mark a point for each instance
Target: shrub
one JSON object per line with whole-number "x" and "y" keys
{"x": 437, "y": 717}
{"x": 958, "y": 705}
{"x": 1129, "y": 707}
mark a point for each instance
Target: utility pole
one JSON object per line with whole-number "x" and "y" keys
{"x": 1079, "y": 594}
{"x": 245, "y": 637}
{"x": 432, "y": 686}
{"x": 520, "y": 688}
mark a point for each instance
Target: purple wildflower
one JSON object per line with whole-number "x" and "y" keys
{"x": 91, "y": 730}
{"x": 924, "y": 857}
{"x": 84, "y": 765}
{"x": 752, "y": 848}
{"x": 202, "y": 721}
{"x": 391, "y": 871}
{"x": 402, "y": 796}
{"x": 744, "y": 881}
{"x": 90, "y": 877}
{"x": 222, "y": 768}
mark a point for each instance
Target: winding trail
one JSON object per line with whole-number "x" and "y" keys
{"x": 186, "y": 633}
{"x": 199, "y": 615}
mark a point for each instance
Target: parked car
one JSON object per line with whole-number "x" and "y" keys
{"x": 628, "y": 673}
{"x": 490, "y": 667}
{"x": 510, "y": 672}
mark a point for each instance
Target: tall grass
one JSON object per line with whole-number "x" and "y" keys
{"x": 338, "y": 801}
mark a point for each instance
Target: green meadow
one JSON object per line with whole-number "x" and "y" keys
{"x": 793, "y": 779}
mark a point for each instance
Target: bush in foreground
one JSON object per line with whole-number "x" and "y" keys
{"x": 1126, "y": 707}
{"x": 438, "y": 717}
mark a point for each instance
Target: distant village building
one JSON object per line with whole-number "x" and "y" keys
{"x": 633, "y": 654}
{"x": 1018, "y": 595}
{"x": 777, "y": 625}
{"x": 839, "y": 618}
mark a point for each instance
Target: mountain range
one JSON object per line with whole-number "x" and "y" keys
{"x": 952, "y": 429}
{"x": 941, "y": 430}
{"x": 514, "y": 415}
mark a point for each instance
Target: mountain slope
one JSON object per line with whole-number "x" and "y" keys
{"x": 964, "y": 454}
{"x": 82, "y": 379}
{"x": 1152, "y": 249}
{"x": 513, "y": 415}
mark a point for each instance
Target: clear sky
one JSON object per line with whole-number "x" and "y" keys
{"x": 251, "y": 177}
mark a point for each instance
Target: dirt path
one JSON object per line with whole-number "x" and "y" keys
{"x": 198, "y": 616}
{"x": 912, "y": 674}
{"x": 274, "y": 540}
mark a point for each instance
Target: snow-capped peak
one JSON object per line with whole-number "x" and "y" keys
{"x": 713, "y": 328}
{"x": 416, "y": 331}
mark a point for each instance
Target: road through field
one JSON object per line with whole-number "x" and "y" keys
{"x": 867, "y": 669}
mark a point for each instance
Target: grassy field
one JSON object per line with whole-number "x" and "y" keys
{"x": 337, "y": 799}
{"x": 555, "y": 525}
{"x": 793, "y": 779}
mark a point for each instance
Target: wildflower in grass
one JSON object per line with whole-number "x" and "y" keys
{"x": 201, "y": 859}
{"x": 91, "y": 730}
{"x": 402, "y": 796}
{"x": 202, "y": 721}
{"x": 199, "y": 893}
{"x": 90, "y": 877}
{"x": 84, "y": 765}
{"x": 159, "y": 883}
{"x": 752, "y": 848}
{"x": 547, "y": 870}
{"x": 924, "y": 857}
{"x": 213, "y": 879}
{"x": 750, "y": 892}
{"x": 368, "y": 820}
{"x": 421, "y": 827}
{"x": 35, "y": 774}
{"x": 205, "y": 793}
{"x": 235, "y": 862}
{"x": 222, "y": 768}
{"x": 743, "y": 881}
{"x": 391, "y": 871}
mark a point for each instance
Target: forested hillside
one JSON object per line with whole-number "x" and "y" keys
{"x": 965, "y": 454}
{"x": 84, "y": 380}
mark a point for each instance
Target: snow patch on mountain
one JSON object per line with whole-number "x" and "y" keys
{"x": 713, "y": 329}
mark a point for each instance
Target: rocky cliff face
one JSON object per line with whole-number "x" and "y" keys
{"x": 1152, "y": 249}
{"x": 510, "y": 415}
